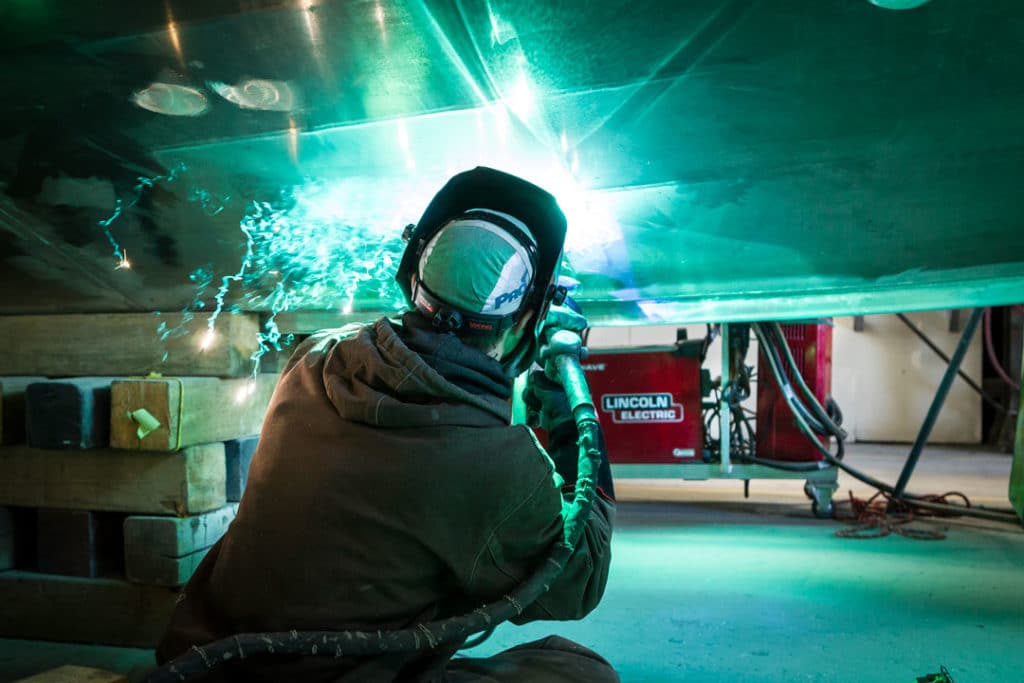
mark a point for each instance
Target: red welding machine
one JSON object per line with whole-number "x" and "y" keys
{"x": 649, "y": 399}
{"x": 649, "y": 403}
{"x": 778, "y": 436}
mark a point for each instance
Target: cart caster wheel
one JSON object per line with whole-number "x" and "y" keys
{"x": 821, "y": 511}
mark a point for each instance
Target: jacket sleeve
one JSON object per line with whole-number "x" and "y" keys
{"x": 523, "y": 539}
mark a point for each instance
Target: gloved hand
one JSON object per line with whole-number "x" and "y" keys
{"x": 543, "y": 396}
{"x": 564, "y": 318}
{"x": 546, "y": 400}
{"x": 548, "y": 406}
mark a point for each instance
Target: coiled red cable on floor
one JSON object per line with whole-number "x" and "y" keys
{"x": 882, "y": 515}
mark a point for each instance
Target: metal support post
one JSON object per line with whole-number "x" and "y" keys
{"x": 940, "y": 398}
{"x": 723, "y": 413}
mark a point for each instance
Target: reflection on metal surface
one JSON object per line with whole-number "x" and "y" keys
{"x": 520, "y": 97}
{"x": 501, "y": 31}
{"x": 171, "y": 99}
{"x": 378, "y": 12}
{"x": 716, "y": 157}
{"x": 172, "y": 31}
{"x": 258, "y": 93}
{"x": 403, "y": 142}
{"x": 899, "y": 4}
{"x": 293, "y": 141}
{"x": 312, "y": 23}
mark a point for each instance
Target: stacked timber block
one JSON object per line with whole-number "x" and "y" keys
{"x": 165, "y": 551}
{"x": 124, "y": 453}
{"x": 75, "y": 674}
{"x": 68, "y": 413}
{"x": 12, "y": 408}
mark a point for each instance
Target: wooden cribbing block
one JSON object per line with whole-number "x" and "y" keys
{"x": 127, "y": 344}
{"x": 165, "y": 551}
{"x": 237, "y": 458}
{"x": 182, "y": 483}
{"x": 73, "y": 609}
{"x": 6, "y": 539}
{"x": 22, "y": 537}
{"x": 75, "y": 674}
{"x": 166, "y": 414}
{"x": 79, "y": 542}
{"x": 12, "y": 408}
{"x": 68, "y": 413}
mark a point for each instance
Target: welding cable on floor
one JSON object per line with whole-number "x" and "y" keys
{"x": 837, "y": 461}
{"x": 563, "y": 360}
{"x": 882, "y": 515}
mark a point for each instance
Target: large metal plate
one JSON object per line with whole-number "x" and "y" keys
{"x": 718, "y": 159}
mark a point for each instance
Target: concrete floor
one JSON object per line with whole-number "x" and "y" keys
{"x": 707, "y": 586}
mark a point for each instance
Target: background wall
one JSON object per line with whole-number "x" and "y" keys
{"x": 884, "y": 378}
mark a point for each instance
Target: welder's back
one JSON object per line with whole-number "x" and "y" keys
{"x": 384, "y": 493}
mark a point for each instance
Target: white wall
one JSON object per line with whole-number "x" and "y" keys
{"x": 883, "y": 378}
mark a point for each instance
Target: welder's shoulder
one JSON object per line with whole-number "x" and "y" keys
{"x": 316, "y": 346}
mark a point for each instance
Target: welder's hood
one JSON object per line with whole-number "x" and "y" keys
{"x": 487, "y": 188}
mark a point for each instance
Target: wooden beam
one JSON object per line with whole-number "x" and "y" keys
{"x": 237, "y": 458}
{"x": 186, "y": 411}
{"x": 73, "y": 609}
{"x": 79, "y": 542}
{"x": 127, "y": 344}
{"x": 182, "y": 483}
{"x": 6, "y": 539}
{"x": 12, "y": 408}
{"x": 166, "y": 551}
{"x": 68, "y": 413}
{"x": 307, "y": 322}
{"x": 75, "y": 674}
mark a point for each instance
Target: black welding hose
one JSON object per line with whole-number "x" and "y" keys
{"x": 836, "y": 460}
{"x": 202, "y": 659}
{"x": 769, "y": 347}
{"x": 819, "y": 411}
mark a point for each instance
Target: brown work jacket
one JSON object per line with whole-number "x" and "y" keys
{"x": 383, "y": 495}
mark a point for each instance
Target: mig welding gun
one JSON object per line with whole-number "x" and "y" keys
{"x": 558, "y": 399}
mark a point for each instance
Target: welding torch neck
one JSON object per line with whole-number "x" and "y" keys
{"x": 561, "y": 356}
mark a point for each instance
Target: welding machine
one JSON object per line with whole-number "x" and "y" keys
{"x": 778, "y": 436}
{"x": 664, "y": 417}
{"x": 649, "y": 402}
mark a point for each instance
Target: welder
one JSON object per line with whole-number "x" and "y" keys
{"x": 390, "y": 489}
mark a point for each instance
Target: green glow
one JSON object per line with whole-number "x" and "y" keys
{"x": 694, "y": 192}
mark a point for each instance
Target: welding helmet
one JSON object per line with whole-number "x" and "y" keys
{"x": 526, "y": 232}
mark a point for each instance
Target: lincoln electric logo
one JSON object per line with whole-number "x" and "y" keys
{"x": 642, "y": 408}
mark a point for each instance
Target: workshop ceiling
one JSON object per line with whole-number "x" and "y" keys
{"x": 717, "y": 159}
